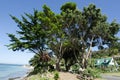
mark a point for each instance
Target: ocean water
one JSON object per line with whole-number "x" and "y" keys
{"x": 11, "y": 70}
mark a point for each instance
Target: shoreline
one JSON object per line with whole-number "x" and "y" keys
{"x": 19, "y": 77}
{"x": 28, "y": 67}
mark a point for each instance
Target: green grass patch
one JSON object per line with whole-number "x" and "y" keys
{"x": 99, "y": 79}
{"x": 39, "y": 77}
{"x": 113, "y": 74}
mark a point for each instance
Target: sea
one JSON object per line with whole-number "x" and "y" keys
{"x": 11, "y": 71}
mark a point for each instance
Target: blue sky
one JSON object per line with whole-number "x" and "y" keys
{"x": 19, "y": 7}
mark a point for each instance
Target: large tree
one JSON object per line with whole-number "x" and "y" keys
{"x": 83, "y": 29}
{"x": 89, "y": 28}
{"x": 36, "y": 31}
{"x": 33, "y": 31}
{"x": 33, "y": 34}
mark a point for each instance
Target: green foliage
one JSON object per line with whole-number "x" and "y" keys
{"x": 56, "y": 75}
{"x": 68, "y": 6}
{"x": 110, "y": 68}
{"x": 34, "y": 30}
{"x": 109, "y": 52}
{"x": 89, "y": 27}
{"x": 41, "y": 63}
{"x": 75, "y": 68}
{"x": 95, "y": 73}
{"x": 39, "y": 77}
{"x": 118, "y": 61}
{"x": 89, "y": 74}
{"x": 30, "y": 33}
{"x": 72, "y": 30}
{"x": 91, "y": 63}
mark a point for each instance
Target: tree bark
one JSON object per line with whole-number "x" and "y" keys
{"x": 58, "y": 65}
{"x": 59, "y": 58}
{"x": 84, "y": 63}
{"x": 86, "y": 56}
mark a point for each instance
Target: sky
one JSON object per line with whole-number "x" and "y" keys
{"x": 111, "y": 8}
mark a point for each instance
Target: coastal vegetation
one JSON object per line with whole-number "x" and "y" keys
{"x": 70, "y": 35}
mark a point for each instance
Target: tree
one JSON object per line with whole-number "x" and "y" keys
{"x": 33, "y": 31}
{"x": 33, "y": 34}
{"x": 82, "y": 29}
{"x": 89, "y": 27}
{"x": 37, "y": 30}
{"x": 116, "y": 46}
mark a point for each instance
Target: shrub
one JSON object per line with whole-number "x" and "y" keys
{"x": 89, "y": 74}
{"x": 110, "y": 68}
{"x": 75, "y": 68}
{"x": 56, "y": 75}
{"x": 95, "y": 73}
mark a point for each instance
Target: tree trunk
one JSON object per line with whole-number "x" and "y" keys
{"x": 67, "y": 66}
{"x": 58, "y": 65}
{"x": 59, "y": 58}
{"x": 84, "y": 63}
{"x": 86, "y": 56}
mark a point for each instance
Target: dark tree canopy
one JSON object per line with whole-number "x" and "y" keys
{"x": 68, "y": 6}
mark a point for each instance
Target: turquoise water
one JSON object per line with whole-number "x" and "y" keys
{"x": 11, "y": 70}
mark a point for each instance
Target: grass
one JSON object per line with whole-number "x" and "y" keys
{"x": 113, "y": 74}
{"x": 100, "y": 79}
{"x": 45, "y": 76}
{"x": 110, "y": 74}
{"x": 39, "y": 77}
